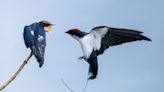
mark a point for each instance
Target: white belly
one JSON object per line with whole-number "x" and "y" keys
{"x": 87, "y": 46}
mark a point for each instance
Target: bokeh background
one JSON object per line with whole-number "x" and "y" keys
{"x": 132, "y": 67}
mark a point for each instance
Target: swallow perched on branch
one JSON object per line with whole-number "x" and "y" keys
{"x": 35, "y": 38}
{"x": 101, "y": 38}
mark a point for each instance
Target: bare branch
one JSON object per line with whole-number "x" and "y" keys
{"x": 86, "y": 82}
{"x": 85, "y": 86}
{"x": 66, "y": 85}
{"x": 16, "y": 73}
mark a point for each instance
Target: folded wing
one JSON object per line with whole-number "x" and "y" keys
{"x": 28, "y": 35}
{"x": 34, "y": 38}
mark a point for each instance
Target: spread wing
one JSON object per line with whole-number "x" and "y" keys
{"x": 115, "y": 36}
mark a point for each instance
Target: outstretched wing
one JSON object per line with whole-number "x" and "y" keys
{"x": 115, "y": 36}
{"x": 28, "y": 35}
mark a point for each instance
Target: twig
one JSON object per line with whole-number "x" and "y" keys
{"x": 16, "y": 73}
{"x": 71, "y": 89}
{"x": 66, "y": 85}
{"x": 85, "y": 86}
{"x": 86, "y": 83}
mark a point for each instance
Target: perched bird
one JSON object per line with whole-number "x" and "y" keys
{"x": 101, "y": 38}
{"x": 35, "y": 38}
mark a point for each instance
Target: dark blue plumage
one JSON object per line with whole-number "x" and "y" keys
{"x": 93, "y": 68}
{"x": 35, "y": 39}
{"x": 28, "y": 37}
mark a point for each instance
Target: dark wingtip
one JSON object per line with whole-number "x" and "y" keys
{"x": 40, "y": 65}
{"x": 146, "y": 38}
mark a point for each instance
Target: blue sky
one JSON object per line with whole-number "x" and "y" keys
{"x": 132, "y": 67}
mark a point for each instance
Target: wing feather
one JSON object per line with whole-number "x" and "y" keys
{"x": 116, "y": 36}
{"x": 28, "y": 37}
{"x": 40, "y": 43}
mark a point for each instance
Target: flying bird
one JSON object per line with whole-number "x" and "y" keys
{"x": 101, "y": 38}
{"x": 35, "y": 38}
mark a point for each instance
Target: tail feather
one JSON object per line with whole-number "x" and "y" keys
{"x": 39, "y": 56}
{"x": 40, "y": 61}
{"x": 93, "y": 68}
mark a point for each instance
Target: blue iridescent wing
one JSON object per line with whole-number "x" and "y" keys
{"x": 39, "y": 44}
{"x": 28, "y": 35}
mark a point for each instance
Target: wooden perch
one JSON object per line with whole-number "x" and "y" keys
{"x": 16, "y": 73}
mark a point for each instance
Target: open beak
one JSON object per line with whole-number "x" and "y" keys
{"x": 49, "y": 28}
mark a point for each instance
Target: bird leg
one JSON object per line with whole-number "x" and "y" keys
{"x": 82, "y": 57}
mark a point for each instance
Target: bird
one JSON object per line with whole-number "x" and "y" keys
{"x": 101, "y": 38}
{"x": 35, "y": 38}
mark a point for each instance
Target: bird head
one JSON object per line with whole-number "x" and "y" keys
{"x": 47, "y": 25}
{"x": 76, "y": 33}
{"x": 73, "y": 31}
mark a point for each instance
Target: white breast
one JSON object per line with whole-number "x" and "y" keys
{"x": 91, "y": 42}
{"x": 87, "y": 45}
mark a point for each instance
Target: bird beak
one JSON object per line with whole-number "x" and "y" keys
{"x": 66, "y": 32}
{"x": 49, "y": 28}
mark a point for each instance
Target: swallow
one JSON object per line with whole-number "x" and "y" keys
{"x": 35, "y": 38}
{"x": 100, "y": 39}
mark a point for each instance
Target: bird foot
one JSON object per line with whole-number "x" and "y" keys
{"x": 82, "y": 57}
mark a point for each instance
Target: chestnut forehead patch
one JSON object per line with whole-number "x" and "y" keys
{"x": 45, "y": 22}
{"x": 74, "y": 30}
